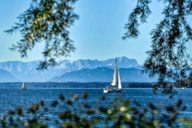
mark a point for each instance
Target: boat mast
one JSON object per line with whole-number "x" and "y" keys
{"x": 113, "y": 82}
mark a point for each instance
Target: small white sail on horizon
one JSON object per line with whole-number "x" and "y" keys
{"x": 23, "y": 87}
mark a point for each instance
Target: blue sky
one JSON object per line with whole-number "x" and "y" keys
{"x": 96, "y": 35}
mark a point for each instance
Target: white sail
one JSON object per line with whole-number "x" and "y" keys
{"x": 118, "y": 88}
{"x": 23, "y": 86}
{"x": 113, "y": 82}
{"x": 118, "y": 80}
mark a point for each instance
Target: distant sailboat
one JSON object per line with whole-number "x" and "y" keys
{"x": 113, "y": 88}
{"x": 23, "y": 87}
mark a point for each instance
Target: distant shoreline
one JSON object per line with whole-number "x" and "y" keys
{"x": 58, "y": 85}
{"x": 69, "y": 88}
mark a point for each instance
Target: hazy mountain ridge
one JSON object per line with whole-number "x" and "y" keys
{"x": 26, "y": 71}
{"x": 103, "y": 74}
{"x": 6, "y": 76}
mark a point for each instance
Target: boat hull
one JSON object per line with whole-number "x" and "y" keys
{"x": 112, "y": 91}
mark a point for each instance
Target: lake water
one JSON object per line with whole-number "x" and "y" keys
{"x": 11, "y": 98}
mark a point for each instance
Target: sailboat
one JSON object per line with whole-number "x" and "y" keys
{"x": 23, "y": 87}
{"x": 114, "y": 88}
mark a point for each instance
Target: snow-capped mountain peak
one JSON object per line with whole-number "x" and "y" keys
{"x": 26, "y": 71}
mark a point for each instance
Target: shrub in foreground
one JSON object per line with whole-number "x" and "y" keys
{"x": 77, "y": 113}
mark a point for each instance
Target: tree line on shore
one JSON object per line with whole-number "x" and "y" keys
{"x": 140, "y": 85}
{"x": 184, "y": 83}
{"x": 178, "y": 84}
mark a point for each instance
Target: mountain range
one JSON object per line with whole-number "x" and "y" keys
{"x": 26, "y": 71}
{"x": 6, "y": 76}
{"x": 103, "y": 74}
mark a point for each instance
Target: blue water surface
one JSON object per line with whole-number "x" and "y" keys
{"x": 12, "y": 98}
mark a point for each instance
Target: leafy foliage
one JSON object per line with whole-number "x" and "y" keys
{"x": 46, "y": 21}
{"x": 76, "y": 113}
{"x": 168, "y": 58}
{"x": 183, "y": 83}
{"x": 141, "y": 11}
